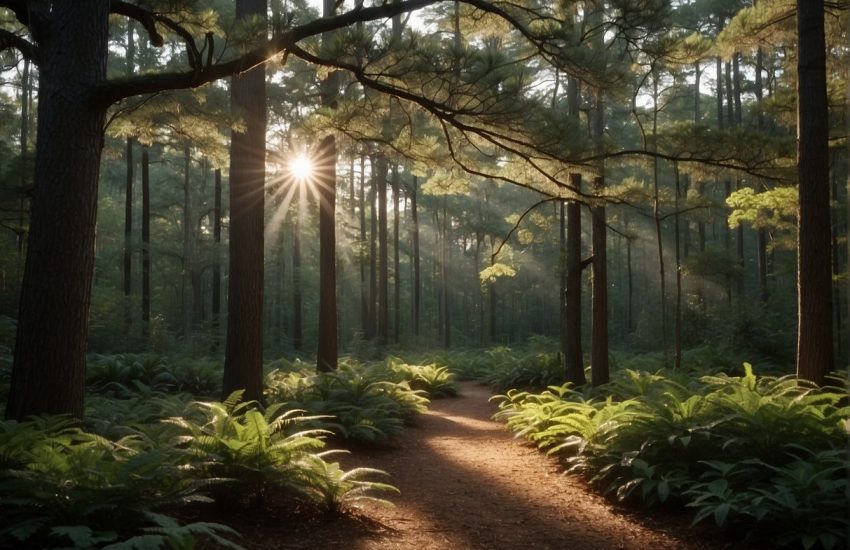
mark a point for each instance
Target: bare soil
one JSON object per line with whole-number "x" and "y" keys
{"x": 467, "y": 483}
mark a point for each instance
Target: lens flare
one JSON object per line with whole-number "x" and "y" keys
{"x": 301, "y": 167}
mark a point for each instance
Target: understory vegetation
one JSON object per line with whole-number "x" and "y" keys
{"x": 155, "y": 442}
{"x": 764, "y": 456}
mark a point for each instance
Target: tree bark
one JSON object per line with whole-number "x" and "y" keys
{"x": 814, "y": 284}
{"x": 326, "y": 355}
{"x": 48, "y": 372}
{"x": 243, "y": 363}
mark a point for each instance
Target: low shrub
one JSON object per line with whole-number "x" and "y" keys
{"x": 739, "y": 449}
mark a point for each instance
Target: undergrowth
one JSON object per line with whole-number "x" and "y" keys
{"x": 763, "y": 453}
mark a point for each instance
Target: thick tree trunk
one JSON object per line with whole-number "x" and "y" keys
{"x": 48, "y": 372}
{"x": 243, "y": 363}
{"x": 326, "y": 355}
{"x": 814, "y": 284}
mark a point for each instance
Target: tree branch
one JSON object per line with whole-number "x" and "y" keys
{"x": 146, "y": 18}
{"x": 28, "y": 49}
{"x": 114, "y": 90}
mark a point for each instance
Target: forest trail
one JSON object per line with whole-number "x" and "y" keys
{"x": 467, "y": 483}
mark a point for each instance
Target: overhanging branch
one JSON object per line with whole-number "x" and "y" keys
{"x": 115, "y": 90}
{"x": 10, "y": 40}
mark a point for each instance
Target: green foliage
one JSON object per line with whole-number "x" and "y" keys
{"x": 64, "y": 486}
{"x": 333, "y": 487}
{"x": 234, "y": 440}
{"x": 434, "y": 380}
{"x": 357, "y": 401}
{"x": 757, "y": 451}
{"x": 119, "y": 374}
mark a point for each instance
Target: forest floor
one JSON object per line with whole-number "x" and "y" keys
{"x": 467, "y": 483}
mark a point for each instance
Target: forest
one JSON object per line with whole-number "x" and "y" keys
{"x": 424, "y": 274}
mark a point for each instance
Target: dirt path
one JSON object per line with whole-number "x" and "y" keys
{"x": 466, "y": 483}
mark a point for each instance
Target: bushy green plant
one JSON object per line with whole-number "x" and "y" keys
{"x": 334, "y": 487}
{"x": 738, "y": 448}
{"x": 234, "y": 440}
{"x": 359, "y": 403}
{"x": 434, "y": 380}
{"x": 62, "y": 486}
{"x": 120, "y": 375}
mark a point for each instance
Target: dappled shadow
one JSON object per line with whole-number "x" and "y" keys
{"x": 466, "y": 483}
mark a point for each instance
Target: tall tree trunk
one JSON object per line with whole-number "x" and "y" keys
{"x": 719, "y": 79}
{"x": 364, "y": 286}
{"x": 373, "y": 252}
{"x": 243, "y": 363}
{"x": 736, "y": 88}
{"x": 326, "y": 356}
{"x": 48, "y": 371}
{"x": 573, "y": 357}
{"x": 128, "y": 194}
{"x": 187, "y": 256}
{"x": 814, "y": 284}
{"x": 656, "y": 215}
{"x": 444, "y": 276}
{"x": 417, "y": 283}
{"x": 491, "y": 290}
{"x": 297, "y": 322}
{"x": 383, "y": 254}
{"x": 739, "y": 251}
{"x": 146, "y": 242}
{"x": 677, "y": 330}
{"x": 599, "y": 297}
{"x": 128, "y": 235}
{"x": 761, "y": 236}
{"x": 25, "y": 126}
{"x": 396, "y": 270}
{"x": 216, "y": 267}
